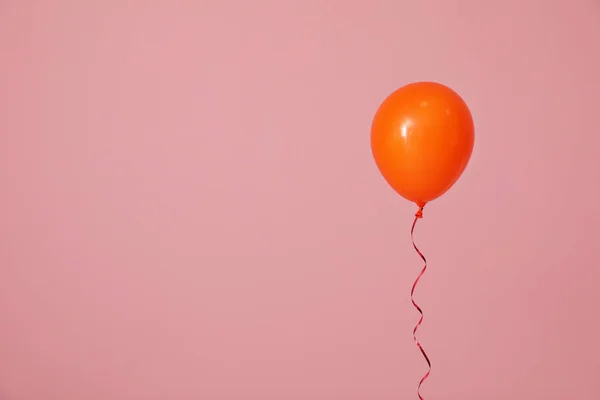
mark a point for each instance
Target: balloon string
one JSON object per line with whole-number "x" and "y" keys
{"x": 418, "y": 216}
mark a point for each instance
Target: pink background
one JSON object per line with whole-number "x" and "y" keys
{"x": 189, "y": 208}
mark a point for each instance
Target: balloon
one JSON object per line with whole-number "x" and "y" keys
{"x": 422, "y": 138}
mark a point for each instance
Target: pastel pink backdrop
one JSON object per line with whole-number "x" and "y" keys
{"x": 189, "y": 208}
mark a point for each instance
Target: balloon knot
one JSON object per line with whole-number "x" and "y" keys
{"x": 419, "y": 213}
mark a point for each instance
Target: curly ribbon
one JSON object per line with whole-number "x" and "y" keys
{"x": 418, "y": 216}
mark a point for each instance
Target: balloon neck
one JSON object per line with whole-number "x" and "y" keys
{"x": 419, "y": 213}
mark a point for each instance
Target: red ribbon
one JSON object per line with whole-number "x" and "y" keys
{"x": 418, "y": 216}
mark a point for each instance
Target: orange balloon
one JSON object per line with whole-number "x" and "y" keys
{"x": 422, "y": 138}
